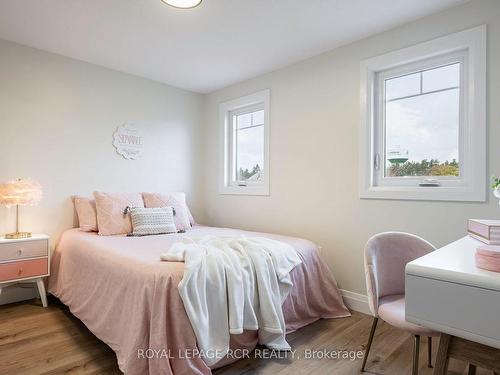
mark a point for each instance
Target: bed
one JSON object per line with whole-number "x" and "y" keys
{"x": 118, "y": 287}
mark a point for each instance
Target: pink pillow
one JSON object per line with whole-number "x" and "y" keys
{"x": 86, "y": 212}
{"x": 175, "y": 200}
{"x": 110, "y": 207}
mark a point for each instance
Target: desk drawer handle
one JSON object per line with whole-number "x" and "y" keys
{"x": 20, "y": 271}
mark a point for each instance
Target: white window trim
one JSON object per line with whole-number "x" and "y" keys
{"x": 474, "y": 137}
{"x": 225, "y": 110}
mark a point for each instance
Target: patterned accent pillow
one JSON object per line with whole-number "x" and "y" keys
{"x": 175, "y": 200}
{"x": 86, "y": 212}
{"x": 111, "y": 218}
{"x": 147, "y": 221}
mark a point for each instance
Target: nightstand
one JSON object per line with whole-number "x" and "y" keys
{"x": 25, "y": 260}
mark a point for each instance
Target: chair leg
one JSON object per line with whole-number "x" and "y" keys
{"x": 368, "y": 346}
{"x": 416, "y": 354}
{"x": 472, "y": 369}
{"x": 429, "y": 352}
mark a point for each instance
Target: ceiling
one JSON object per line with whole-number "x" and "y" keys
{"x": 206, "y": 48}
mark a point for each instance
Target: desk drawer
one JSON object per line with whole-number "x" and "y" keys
{"x": 459, "y": 310}
{"x": 23, "y": 250}
{"x": 23, "y": 269}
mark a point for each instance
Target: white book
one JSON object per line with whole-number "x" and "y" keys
{"x": 482, "y": 239}
{"x": 487, "y": 231}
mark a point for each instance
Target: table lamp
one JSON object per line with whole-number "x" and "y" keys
{"x": 20, "y": 192}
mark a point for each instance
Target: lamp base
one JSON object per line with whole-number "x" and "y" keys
{"x": 16, "y": 235}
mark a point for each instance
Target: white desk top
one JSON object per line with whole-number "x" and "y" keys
{"x": 455, "y": 263}
{"x": 34, "y": 237}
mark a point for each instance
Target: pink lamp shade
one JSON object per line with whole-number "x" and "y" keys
{"x": 22, "y": 192}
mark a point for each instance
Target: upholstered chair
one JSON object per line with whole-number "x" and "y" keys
{"x": 386, "y": 256}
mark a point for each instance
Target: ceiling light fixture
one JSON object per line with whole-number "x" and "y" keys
{"x": 183, "y": 4}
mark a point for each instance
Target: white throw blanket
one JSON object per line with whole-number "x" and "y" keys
{"x": 231, "y": 284}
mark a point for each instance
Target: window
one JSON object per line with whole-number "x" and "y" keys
{"x": 420, "y": 120}
{"x": 247, "y": 146}
{"x": 245, "y": 136}
{"x": 423, "y": 121}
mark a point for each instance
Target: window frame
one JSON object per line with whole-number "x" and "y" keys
{"x": 233, "y": 149}
{"x": 380, "y": 105}
{"x": 227, "y": 110}
{"x": 470, "y": 185}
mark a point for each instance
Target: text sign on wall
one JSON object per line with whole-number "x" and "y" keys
{"x": 128, "y": 141}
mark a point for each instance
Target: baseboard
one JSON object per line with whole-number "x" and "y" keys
{"x": 355, "y": 301}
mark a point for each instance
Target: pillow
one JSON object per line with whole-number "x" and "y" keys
{"x": 86, "y": 212}
{"x": 191, "y": 218}
{"x": 147, "y": 221}
{"x": 175, "y": 200}
{"x": 111, "y": 218}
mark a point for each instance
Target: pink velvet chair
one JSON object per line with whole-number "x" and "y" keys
{"x": 386, "y": 256}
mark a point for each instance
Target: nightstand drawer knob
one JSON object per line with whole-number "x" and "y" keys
{"x": 20, "y": 252}
{"x": 20, "y": 271}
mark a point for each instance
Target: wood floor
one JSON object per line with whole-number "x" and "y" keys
{"x": 34, "y": 340}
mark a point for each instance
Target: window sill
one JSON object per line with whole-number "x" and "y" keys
{"x": 438, "y": 193}
{"x": 244, "y": 190}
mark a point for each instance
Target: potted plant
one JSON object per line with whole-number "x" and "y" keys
{"x": 495, "y": 186}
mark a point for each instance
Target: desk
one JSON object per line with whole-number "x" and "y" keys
{"x": 445, "y": 291}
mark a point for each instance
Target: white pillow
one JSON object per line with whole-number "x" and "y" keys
{"x": 147, "y": 221}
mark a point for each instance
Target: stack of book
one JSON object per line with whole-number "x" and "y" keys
{"x": 487, "y": 231}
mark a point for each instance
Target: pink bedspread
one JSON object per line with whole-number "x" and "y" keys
{"x": 128, "y": 298}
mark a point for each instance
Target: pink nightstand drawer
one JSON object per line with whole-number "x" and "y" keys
{"x": 23, "y": 249}
{"x": 23, "y": 269}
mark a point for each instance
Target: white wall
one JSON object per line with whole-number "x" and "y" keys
{"x": 314, "y": 151}
{"x": 64, "y": 112}
{"x": 57, "y": 116}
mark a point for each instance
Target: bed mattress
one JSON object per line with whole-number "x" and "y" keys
{"x": 118, "y": 287}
